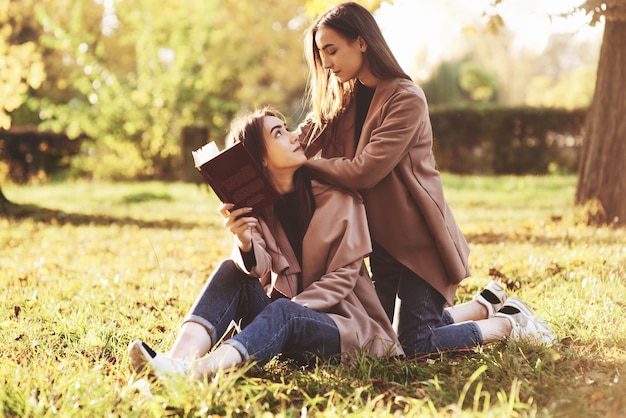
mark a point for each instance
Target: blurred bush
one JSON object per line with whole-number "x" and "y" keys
{"x": 497, "y": 140}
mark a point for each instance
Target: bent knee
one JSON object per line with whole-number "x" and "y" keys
{"x": 226, "y": 265}
{"x": 283, "y": 305}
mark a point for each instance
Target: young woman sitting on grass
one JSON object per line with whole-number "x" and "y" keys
{"x": 297, "y": 284}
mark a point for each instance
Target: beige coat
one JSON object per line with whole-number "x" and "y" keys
{"x": 334, "y": 277}
{"x": 394, "y": 169}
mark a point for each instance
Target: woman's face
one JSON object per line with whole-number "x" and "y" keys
{"x": 343, "y": 57}
{"x": 284, "y": 152}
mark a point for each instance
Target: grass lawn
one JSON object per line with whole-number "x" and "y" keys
{"x": 88, "y": 267}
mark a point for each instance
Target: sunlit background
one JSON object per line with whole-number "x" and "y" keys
{"x": 154, "y": 71}
{"x": 422, "y": 33}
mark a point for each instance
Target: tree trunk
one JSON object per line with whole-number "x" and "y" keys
{"x": 602, "y": 168}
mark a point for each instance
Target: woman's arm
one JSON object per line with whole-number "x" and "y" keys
{"x": 239, "y": 224}
{"x": 249, "y": 251}
{"x": 399, "y": 131}
{"x": 262, "y": 258}
{"x": 331, "y": 288}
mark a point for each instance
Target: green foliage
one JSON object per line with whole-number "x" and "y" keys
{"x": 561, "y": 74}
{"x": 573, "y": 89}
{"x": 461, "y": 82}
{"x": 443, "y": 86}
{"x": 21, "y": 65}
{"x": 477, "y": 82}
{"x": 105, "y": 263}
{"x": 316, "y": 7}
{"x": 131, "y": 75}
{"x": 144, "y": 70}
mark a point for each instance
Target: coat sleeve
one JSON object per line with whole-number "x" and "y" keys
{"x": 402, "y": 119}
{"x": 305, "y": 137}
{"x": 331, "y": 289}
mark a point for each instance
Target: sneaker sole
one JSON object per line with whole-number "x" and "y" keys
{"x": 546, "y": 336}
{"x": 542, "y": 334}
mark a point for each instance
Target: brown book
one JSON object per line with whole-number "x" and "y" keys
{"x": 235, "y": 177}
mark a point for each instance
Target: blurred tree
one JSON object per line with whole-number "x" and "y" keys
{"x": 131, "y": 74}
{"x": 529, "y": 76}
{"x": 460, "y": 82}
{"x": 316, "y": 7}
{"x": 567, "y": 73}
{"x": 480, "y": 84}
{"x": 21, "y": 66}
{"x": 601, "y": 176}
{"x": 443, "y": 86}
{"x": 511, "y": 68}
{"x": 143, "y": 70}
{"x": 572, "y": 89}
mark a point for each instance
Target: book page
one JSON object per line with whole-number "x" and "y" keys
{"x": 205, "y": 153}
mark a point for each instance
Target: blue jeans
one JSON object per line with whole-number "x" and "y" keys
{"x": 269, "y": 327}
{"x": 424, "y": 325}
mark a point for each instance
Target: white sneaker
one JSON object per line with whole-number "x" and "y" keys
{"x": 142, "y": 386}
{"x": 525, "y": 327}
{"x": 143, "y": 358}
{"x": 492, "y": 297}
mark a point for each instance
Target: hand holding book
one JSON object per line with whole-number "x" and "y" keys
{"x": 235, "y": 177}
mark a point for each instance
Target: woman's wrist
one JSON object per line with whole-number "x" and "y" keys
{"x": 245, "y": 247}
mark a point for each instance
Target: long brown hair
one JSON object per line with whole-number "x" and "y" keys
{"x": 248, "y": 129}
{"x": 327, "y": 96}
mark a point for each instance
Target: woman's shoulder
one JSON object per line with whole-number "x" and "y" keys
{"x": 337, "y": 203}
{"x": 328, "y": 192}
{"x": 401, "y": 86}
{"x": 402, "y": 93}
{"x": 321, "y": 188}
